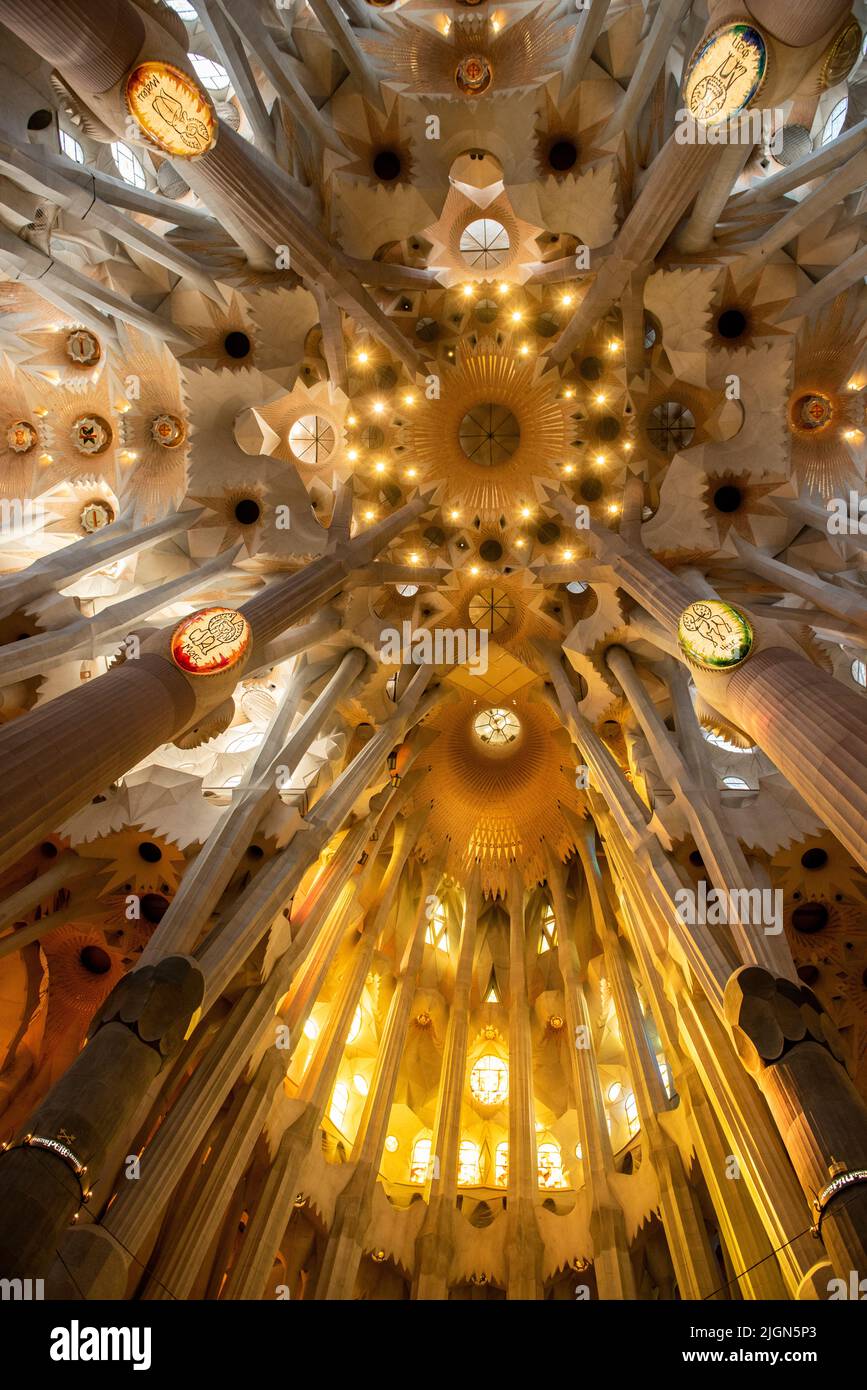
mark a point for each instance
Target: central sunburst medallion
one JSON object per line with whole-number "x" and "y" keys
{"x": 499, "y": 431}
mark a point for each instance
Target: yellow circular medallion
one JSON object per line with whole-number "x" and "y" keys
{"x": 170, "y": 109}
{"x": 725, "y": 73}
{"x": 210, "y": 641}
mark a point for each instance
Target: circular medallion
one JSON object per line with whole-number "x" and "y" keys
{"x": 168, "y": 431}
{"x": 91, "y": 434}
{"x": 94, "y": 515}
{"x": 714, "y": 635}
{"x": 210, "y": 641}
{"x": 82, "y": 347}
{"x": 842, "y": 55}
{"x": 473, "y": 74}
{"x": 171, "y": 109}
{"x": 813, "y": 412}
{"x": 725, "y": 73}
{"x": 21, "y": 437}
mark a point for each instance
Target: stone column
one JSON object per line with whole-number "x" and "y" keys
{"x": 61, "y": 754}
{"x": 802, "y": 24}
{"x": 352, "y": 1210}
{"x": 274, "y": 1208}
{"x": 691, "y": 1255}
{"x": 753, "y": 1139}
{"x": 525, "y": 1244}
{"x": 788, "y": 1043}
{"x": 180, "y": 1259}
{"x": 809, "y": 724}
{"x": 719, "y": 848}
{"x": 611, "y": 1262}
{"x": 140, "y": 1026}
{"x": 434, "y": 1243}
{"x": 205, "y": 880}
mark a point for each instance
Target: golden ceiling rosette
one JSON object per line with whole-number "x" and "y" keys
{"x": 498, "y": 802}
{"x": 488, "y": 385}
{"x": 416, "y": 58}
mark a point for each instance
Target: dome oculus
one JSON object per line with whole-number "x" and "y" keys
{"x": 496, "y": 727}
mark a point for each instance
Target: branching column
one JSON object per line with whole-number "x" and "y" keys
{"x": 353, "y": 1207}
{"x": 434, "y": 1243}
{"x": 691, "y": 1255}
{"x": 611, "y": 1261}
{"x": 526, "y": 1249}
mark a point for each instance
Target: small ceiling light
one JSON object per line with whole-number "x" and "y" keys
{"x": 411, "y": 472}
{"x": 627, "y": 444}
{"x": 566, "y": 300}
{"x": 613, "y": 507}
{"x": 360, "y": 1083}
{"x": 525, "y": 511}
{"x": 467, "y": 291}
{"x": 524, "y": 350}
{"x": 454, "y": 514}
{"x": 409, "y": 400}
{"x": 614, "y": 346}
{"x": 600, "y": 399}
{"x": 352, "y": 455}
{"x": 379, "y": 467}
{"x": 352, "y": 419}
{"x": 311, "y": 1029}
{"x": 614, "y": 1092}
{"x": 474, "y": 569}
{"x": 362, "y": 357}
{"x": 568, "y": 469}
{"x": 516, "y": 316}
{"x": 378, "y": 407}
{"x": 391, "y": 1144}
{"x": 502, "y": 289}
{"x": 600, "y": 458}
{"x": 413, "y": 559}
{"x": 369, "y": 515}
{"x": 569, "y": 393}
{"x": 568, "y": 554}
{"x": 520, "y": 542}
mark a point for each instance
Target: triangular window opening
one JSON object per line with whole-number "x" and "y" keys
{"x": 547, "y": 931}
{"x": 437, "y": 932}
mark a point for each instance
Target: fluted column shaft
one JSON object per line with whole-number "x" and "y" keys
{"x": 695, "y": 1269}
{"x": 611, "y": 1261}
{"x": 274, "y": 1208}
{"x": 433, "y": 1246}
{"x": 181, "y": 1258}
{"x": 352, "y": 1211}
{"x": 525, "y": 1242}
